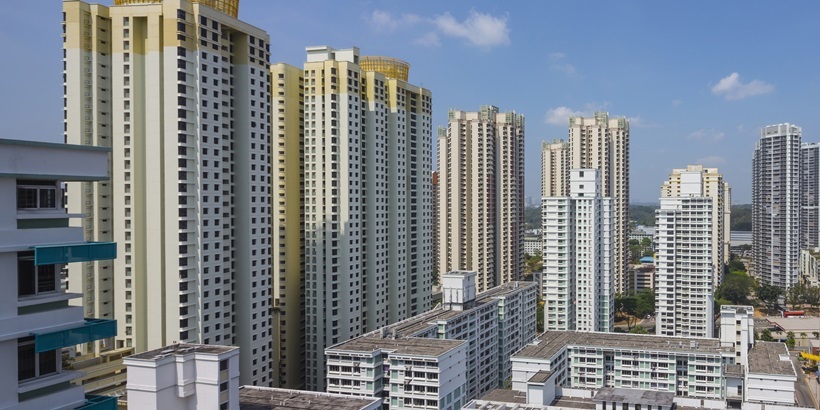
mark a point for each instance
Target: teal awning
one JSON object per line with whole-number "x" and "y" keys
{"x": 91, "y": 330}
{"x": 81, "y": 252}
{"x": 94, "y": 402}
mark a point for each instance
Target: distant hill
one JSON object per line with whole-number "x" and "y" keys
{"x": 643, "y": 214}
{"x": 742, "y": 217}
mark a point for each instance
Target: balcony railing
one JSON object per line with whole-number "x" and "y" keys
{"x": 91, "y": 330}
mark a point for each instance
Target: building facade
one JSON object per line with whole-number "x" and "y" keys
{"x": 367, "y": 214}
{"x": 602, "y": 143}
{"x": 38, "y": 241}
{"x": 492, "y": 325}
{"x": 180, "y": 91}
{"x": 685, "y": 265}
{"x": 809, "y": 195}
{"x": 715, "y": 187}
{"x": 288, "y": 221}
{"x": 555, "y": 166}
{"x": 810, "y": 266}
{"x": 578, "y": 256}
{"x": 481, "y": 195}
{"x": 776, "y": 205}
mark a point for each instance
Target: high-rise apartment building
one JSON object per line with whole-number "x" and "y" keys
{"x": 810, "y": 195}
{"x": 776, "y": 205}
{"x": 288, "y": 219}
{"x": 434, "y": 202}
{"x": 366, "y": 150}
{"x": 555, "y": 166}
{"x": 481, "y": 195}
{"x": 578, "y": 257}
{"x": 179, "y": 89}
{"x": 685, "y": 264}
{"x": 712, "y": 186}
{"x": 600, "y": 142}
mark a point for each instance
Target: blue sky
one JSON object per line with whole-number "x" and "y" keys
{"x": 698, "y": 79}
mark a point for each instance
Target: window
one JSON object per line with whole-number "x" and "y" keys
{"x": 34, "y": 280}
{"x": 223, "y": 365}
{"x": 31, "y": 364}
{"x": 37, "y": 195}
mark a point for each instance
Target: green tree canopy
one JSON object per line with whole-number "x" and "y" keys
{"x": 639, "y": 330}
{"x": 769, "y": 295}
{"x": 790, "y": 342}
{"x": 766, "y": 335}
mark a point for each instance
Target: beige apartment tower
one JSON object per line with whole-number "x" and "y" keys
{"x": 288, "y": 219}
{"x": 712, "y": 186}
{"x": 555, "y": 166}
{"x": 351, "y": 199}
{"x": 481, "y": 195}
{"x": 179, "y": 89}
{"x": 601, "y": 142}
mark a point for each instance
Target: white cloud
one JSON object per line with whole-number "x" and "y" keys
{"x": 560, "y": 115}
{"x": 556, "y": 56}
{"x": 384, "y": 21}
{"x": 560, "y": 64}
{"x": 706, "y": 135}
{"x": 711, "y": 161}
{"x": 479, "y": 29}
{"x": 429, "y": 39}
{"x": 732, "y": 88}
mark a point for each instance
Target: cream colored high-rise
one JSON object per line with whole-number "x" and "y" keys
{"x": 481, "y": 195}
{"x": 600, "y": 142}
{"x": 713, "y": 186}
{"x": 288, "y": 218}
{"x": 555, "y": 166}
{"x": 367, "y": 146}
{"x": 180, "y": 92}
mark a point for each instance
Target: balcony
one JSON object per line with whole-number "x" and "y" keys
{"x": 82, "y": 252}
{"x": 93, "y": 402}
{"x": 91, "y": 330}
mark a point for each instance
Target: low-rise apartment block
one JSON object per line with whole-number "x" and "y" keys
{"x": 478, "y": 332}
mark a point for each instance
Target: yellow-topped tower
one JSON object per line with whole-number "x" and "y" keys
{"x": 390, "y": 67}
{"x": 229, "y": 7}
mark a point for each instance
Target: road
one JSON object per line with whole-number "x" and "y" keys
{"x": 804, "y": 396}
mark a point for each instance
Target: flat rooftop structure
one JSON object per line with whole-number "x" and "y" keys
{"x": 265, "y": 398}
{"x": 506, "y": 396}
{"x": 795, "y": 324}
{"x": 401, "y": 345}
{"x": 733, "y": 370}
{"x": 180, "y": 349}
{"x": 540, "y": 376}
{"x": 764, "y": 358}
{"x": 421, "y": 322}
{"x": 549, "y": 343}
{"x": 635, "y": 396}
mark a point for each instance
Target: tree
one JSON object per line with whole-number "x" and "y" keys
{"x": 794, "y": 296}
{"x": 736, "y": 265}
{"x": 645, "y": 303}
{"x": 790, "y": 342}
{"x": 766, "y": 335}
{"x": 436, "y": 279}
{"x": 532, "y": 263}
{"x": 646, "y": 244}
{"x": 625, "y": 306}
{"x": 803, "y": 338}
{"x": 539, "y": 315}
{"x": 816, "y": 335}
{"x": 635, "y": 251}
{"x": 639, "y": 330}
{"x": 811, "y": 296}
{"x": 769, "y": 295}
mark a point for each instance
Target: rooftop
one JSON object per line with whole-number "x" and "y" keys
{"x": 181, "y": 349}
{"x": 540, "y": 377}
{"x": 549, "y": 343}
{"x": 506, "y": 396}
{"x": 795, "y": 324}
{"x": 402, "y": 345}
{"x": 733, "y": 370}
{"x": 419, "y": 323}
{"x": 634, "y": 396}
{"x": 770, "y": 358}
{"x": 264, "y": 398}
